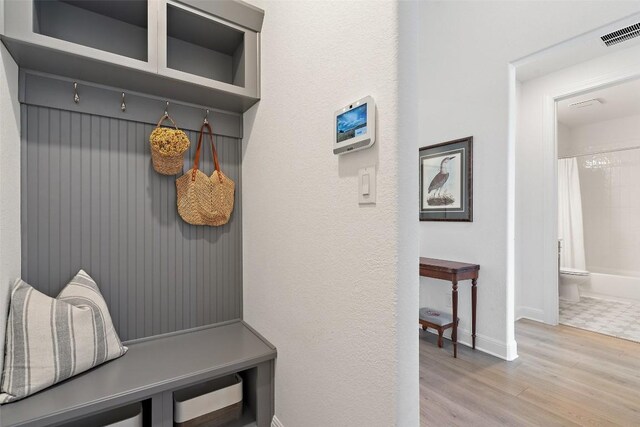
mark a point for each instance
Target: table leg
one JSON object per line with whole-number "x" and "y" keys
{"x": 474, "y": 304}
{"x": 454, "y": 330}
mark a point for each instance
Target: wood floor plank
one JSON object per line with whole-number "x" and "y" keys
{"x": 577, "y": 381}
{"x": 611, "y": 366}
{"x": 490, "y": 376}
{"x": 563, "y": 377}
{"x": 565, "y": 407}
{"x": 507, "y": 410}
{"x": 584, "y": 351}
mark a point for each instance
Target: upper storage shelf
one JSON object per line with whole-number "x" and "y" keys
{"x": 201, "y": 48}
{"x": 121, "y": 30}
{"x": 200, "y": 51}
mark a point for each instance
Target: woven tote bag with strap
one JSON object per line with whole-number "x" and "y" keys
{"x": 202, "y": 199}
{"x": 167, "y": 148}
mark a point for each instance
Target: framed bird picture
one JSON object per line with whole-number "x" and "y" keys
{"x": 446, "y": 181}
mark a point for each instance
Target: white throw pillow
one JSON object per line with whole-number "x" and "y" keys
{"x": 52, "y": 339}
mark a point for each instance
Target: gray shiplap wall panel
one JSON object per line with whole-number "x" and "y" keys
{"x": 91, "y": 199}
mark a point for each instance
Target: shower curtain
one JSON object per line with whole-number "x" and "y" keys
{"x": 570, "y": 228}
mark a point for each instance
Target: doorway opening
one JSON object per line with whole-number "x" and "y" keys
{"x": 543, "y": 86}
{"x": 598, "y": 145}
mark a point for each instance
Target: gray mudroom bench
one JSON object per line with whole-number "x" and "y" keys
{"x": 151, "y": 371}
{"x": 79, "y": 62}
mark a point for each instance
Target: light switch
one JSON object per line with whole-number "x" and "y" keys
{"x": 367, "y": 185}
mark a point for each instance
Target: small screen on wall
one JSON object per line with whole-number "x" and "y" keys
{"x": 352, "y": 123}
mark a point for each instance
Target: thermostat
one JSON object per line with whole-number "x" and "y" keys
{"x": 355, "y": 126}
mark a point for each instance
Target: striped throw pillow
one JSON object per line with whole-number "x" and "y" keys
{"x": 51, "y": 339}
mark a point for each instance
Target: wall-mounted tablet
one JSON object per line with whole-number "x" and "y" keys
{"x": 355, "y": 126}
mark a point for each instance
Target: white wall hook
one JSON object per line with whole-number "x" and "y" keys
{"x": 76, "y": 97}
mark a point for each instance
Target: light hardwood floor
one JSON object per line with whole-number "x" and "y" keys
{"x": 563, "y": 377}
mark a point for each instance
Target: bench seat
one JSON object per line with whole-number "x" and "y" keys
{"x": 436, "y": 319}
{"x": 151, "y": 366}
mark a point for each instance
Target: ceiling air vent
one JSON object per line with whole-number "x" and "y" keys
{"x": 587, "y": 103}
{"x": 621, "y": 35}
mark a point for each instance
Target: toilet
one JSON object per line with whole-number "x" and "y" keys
{"x": 570, "y": 280}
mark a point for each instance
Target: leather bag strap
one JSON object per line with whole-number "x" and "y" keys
{"x": 196, "y": 160}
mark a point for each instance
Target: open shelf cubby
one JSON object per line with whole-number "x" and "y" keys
{"x": 118, "y": 27}
{"x": 204, "y": 47}
{"x": 224, "y": 388}
{"x": 131, "y": 415}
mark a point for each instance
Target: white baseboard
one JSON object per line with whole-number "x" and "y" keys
{"x": 275, "y": 422}
{"x": 529, "y": 313}
{"x": 486, "y": 344}
{"x": 511, "y": 351}
{"x": 597, "y": 295}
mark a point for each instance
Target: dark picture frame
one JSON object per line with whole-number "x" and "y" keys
{"x": 446, "y": 181}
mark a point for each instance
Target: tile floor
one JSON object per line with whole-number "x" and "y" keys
{"x": 618, "y": 319}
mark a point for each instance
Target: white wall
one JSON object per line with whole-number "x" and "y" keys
{"x": 464, "y": 90}
{"x": 536, "y": 256}
{"x": 611, "y": 208}
{"x": 614, "y": 134}
{"x": 333, "y": 284}
{"x": 10, "y": 252}
{"x": 565, "y": 146}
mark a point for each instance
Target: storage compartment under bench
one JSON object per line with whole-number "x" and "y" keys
{"x": 211, "y": 404}
{"x": 125, "y": 416}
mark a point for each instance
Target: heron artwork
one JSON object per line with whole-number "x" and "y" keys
{"x": 437, "y": 186}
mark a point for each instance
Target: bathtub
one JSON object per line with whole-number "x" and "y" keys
{"x": 611, "y": 286}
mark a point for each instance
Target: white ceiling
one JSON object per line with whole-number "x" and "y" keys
{"x": 617, "y": 101}
{"x": 581, "y": 48}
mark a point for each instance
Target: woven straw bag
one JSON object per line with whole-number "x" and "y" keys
{"x": 202, "y": 199}
{"x": 167, "y": 148}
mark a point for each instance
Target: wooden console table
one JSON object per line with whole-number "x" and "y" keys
{"x": 454, "y": 272}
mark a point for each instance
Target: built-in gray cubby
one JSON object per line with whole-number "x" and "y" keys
{"x": 199, "y": 46}
{"x": 199, "y": 51}
{"x": 90, "y": 199}
{"x": 204, "y": 46}
{"x": 98, "y": 24}
{"x": 133, "y": 415}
